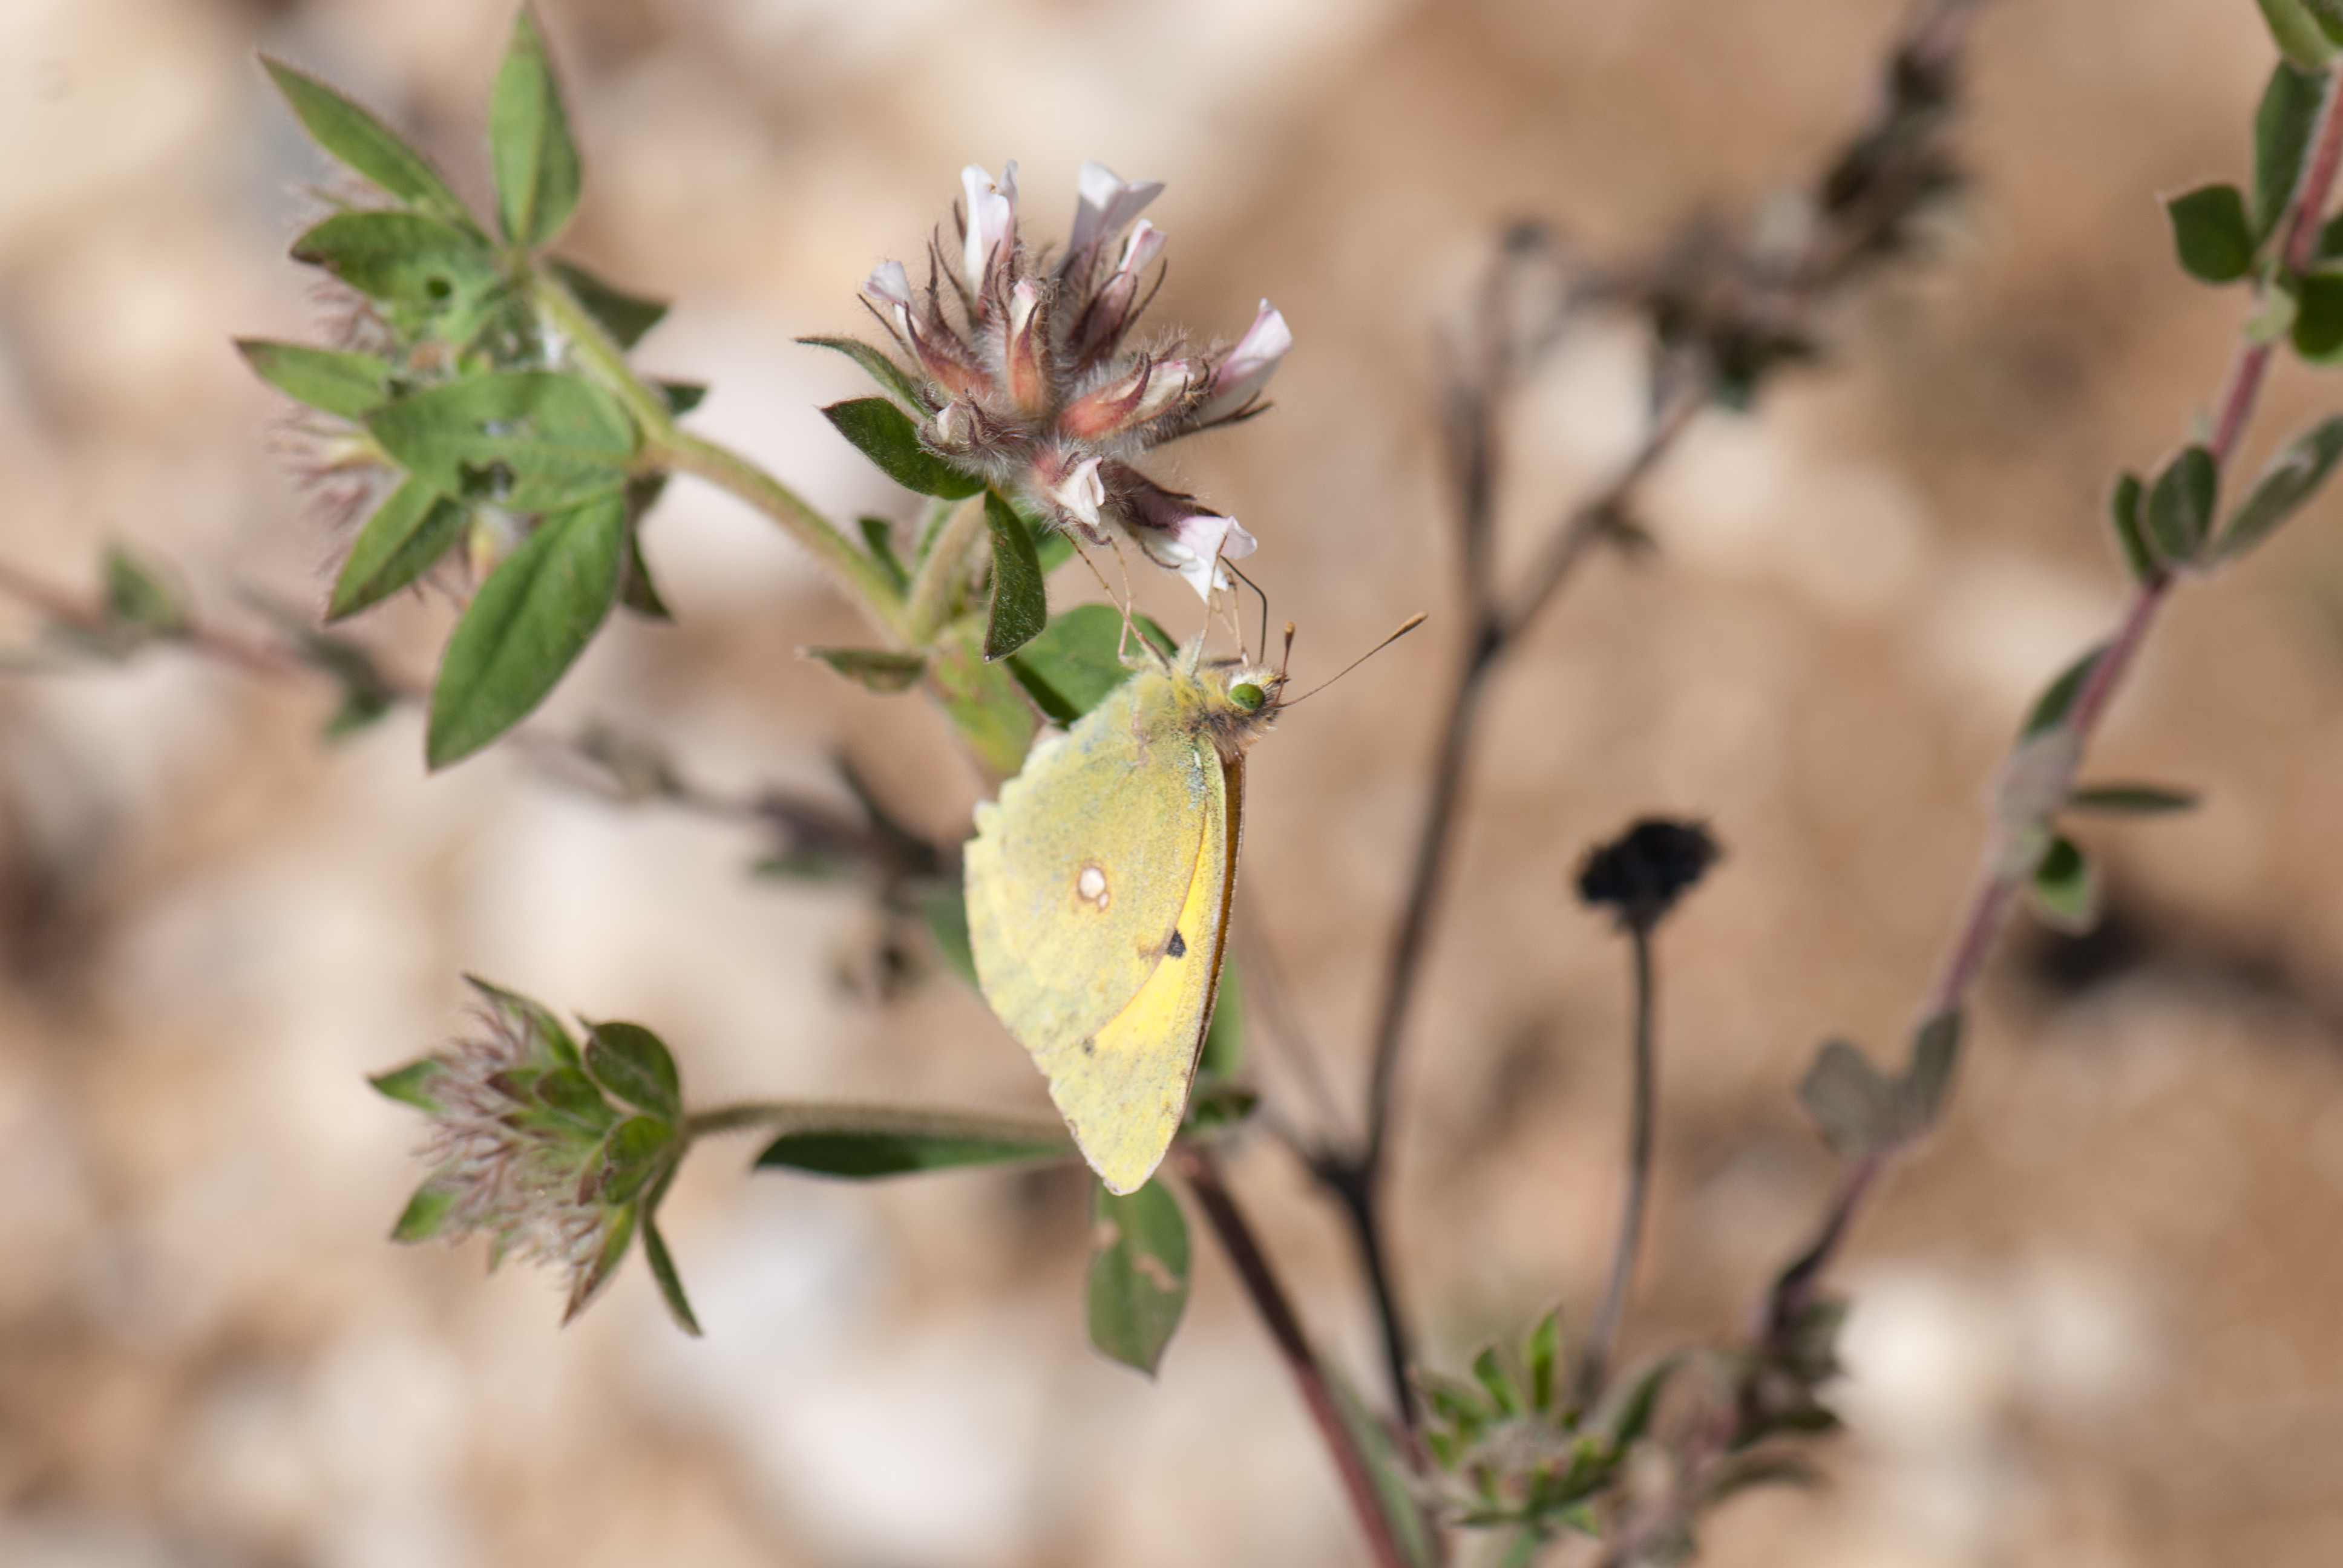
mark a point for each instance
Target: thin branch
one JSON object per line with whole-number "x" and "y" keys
{"x": 1642, "y": 1116}
{"x": 1318, "y": 1395}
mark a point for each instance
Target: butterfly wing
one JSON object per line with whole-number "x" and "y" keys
{"x": 1077, "y": 874}
{"x": 1098, "y": 891}
{"x": 1124, "y": 1087}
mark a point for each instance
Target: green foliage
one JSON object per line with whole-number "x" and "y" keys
{"x": 139, "y": 607}
{"x": 1862, "y": 1112}
{"x": 527, "y": 440}
{"x": 1395, "y": 1491}
{"x": 350, "y": 384}
{"x": 879, "y": 669}
{"x": 409, "y": 1085}
{"x": 2131, "y": 799}
{"x": 2066, "y": 893}
{"x": 434, "y": 268}
{"x": 634, "y": 1066}
{"x": 1020, "y": 607}
{"x": 1069, "y": 668}
{"x": 864, "y": 1144}
{"x": 2317, "y": 329}
{"x": 2305, "y": 38}
{"x": 1139, "y": 1275}
{"x": 885, "y": 434}
{"x": 1222, "y": 1055}
{"x": 944, "y": 906}
{"x": 983, "y": 701}
{"x": 879, "y": 539}
{"x": 2049, "y": 709}
{"x": 2131, "y": 533}
{"x": 530, "y": 148}
{"x": 370, "y": 148}
{"x": 2282, "y": 130}
{"x": 627, "y": 317}
{"x": 408, "y": 532}
{"x": 905, "y": 387}
{"x": 2180, "y": 503}
{"x": 2211, "y": 233}
{"x": 531, "y": 621}
{"x": 2285, "y": 483}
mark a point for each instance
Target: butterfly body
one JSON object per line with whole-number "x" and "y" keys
{"x": 1098, "y": 888}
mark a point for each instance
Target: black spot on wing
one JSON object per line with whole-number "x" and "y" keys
{"x": 1179, "y": 948}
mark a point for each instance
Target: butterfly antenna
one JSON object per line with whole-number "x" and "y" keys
{"x": 1265, "y": 605}
{"x": 1409, "y": 625}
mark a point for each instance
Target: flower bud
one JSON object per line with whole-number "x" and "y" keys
{"x": 991, "y": 228}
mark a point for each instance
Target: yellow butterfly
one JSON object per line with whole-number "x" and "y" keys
{"x": 1098, "y": 888}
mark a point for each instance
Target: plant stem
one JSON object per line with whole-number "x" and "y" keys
{"x": 1998, "y": 883}
{"x": 935, "y": 591}
{"x": 1642, "y": 1116}
{"x": 793, "y": 1116}
{"x": 1318, "y": 1395}
{"x": 668, "y": 447}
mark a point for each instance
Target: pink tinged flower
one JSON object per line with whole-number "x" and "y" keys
{"x": 1249, "y": 366}
{"x": 1029, "y": 384}
{"x": 1181, "y": 533}
{"x": 1106, "y": 203}
{"x": 1151, "y": 387}
{"x": 1109, "y": 309}
{"x": 890, "y": 285}
{"x": 991, "y": 220}
{"x": 1079, "y": 493}
{"x": 938, "y": 352}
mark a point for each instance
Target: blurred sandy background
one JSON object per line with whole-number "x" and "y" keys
{"x": 2099, "y": 1323}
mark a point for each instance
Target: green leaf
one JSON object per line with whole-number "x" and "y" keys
{"x": 984, "y": 702}
{"x": 2049, "y": 709}
{"x": 670, "y": 1283}
{"x": 407, "y": 259}
{"x": 370, "y": 148}
{"x": 2211, "y": 234}
{"x": 536, "y": 162}
{"x": 638, "y": 1151}
{"x": 681, "y": 397}
{"x": 408, "y": 532}
{"x": 876, "y": 668}
{"x": 2318, "y": 317}
{"x": 1139, "y": 1275}
{"x": 1920, "y": 1093}
{"x": 427, "y": 1212}
{"x": 410, "y": 1085}
{"x": 2298, "y": 34}
{"x": 868, "y": 1141}
{"x": 624, "y": 316}
{"x": 2329, "y": 15}
{"x": 2277, "y": 311}
{"x": 350, "y": 384}
{"x": 882, "y": 369}
{"x": 531, "y": 621}
{"x": 2131, "y": 799}
{"x": 137, "y": 600}
{"x": 2180, "y": 503}
{"x": 944, "y": 906}
{"x": 528, "y": 440}
{"x": 1850, "y": 1102}
{"x": 637, "y": 592}
{"x": 2131, "y": 537}
{"x": 2286, "y": 482}
{"x": 879, "y": 535}
{"x": 1627, "y": 1416}
{"x": 1543, "y": 1356}
{"x": 1021, "y": 605}
{"x": 885, "y": 434}
{"x": 614, "y": 1242}
{"x": 635, "y": 1065}
{"x": 1076, "y": 660}
{"x": 2064, "y": 892}
{"x": 2282, "y": 130}
{"x": 1490, "y": 1373}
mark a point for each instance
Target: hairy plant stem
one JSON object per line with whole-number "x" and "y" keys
{"x": 668, "y": 447}
{"x": 1642, "y": 1118}
{"x": 1228, "y": 1222}
{"x": 935, "y": 592}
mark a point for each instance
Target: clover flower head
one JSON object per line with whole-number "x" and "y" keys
{"x": 1030, "y": 376}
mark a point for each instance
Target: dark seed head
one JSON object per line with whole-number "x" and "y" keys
{"x": 1642, "y": 873}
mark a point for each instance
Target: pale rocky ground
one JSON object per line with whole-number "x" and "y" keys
{"x": 2097, "y": 1322}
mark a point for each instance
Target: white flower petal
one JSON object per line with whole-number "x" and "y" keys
{"x": 1106, "y": 202}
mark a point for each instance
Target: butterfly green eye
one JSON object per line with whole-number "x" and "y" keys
{"x": 1248, "y": 697}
